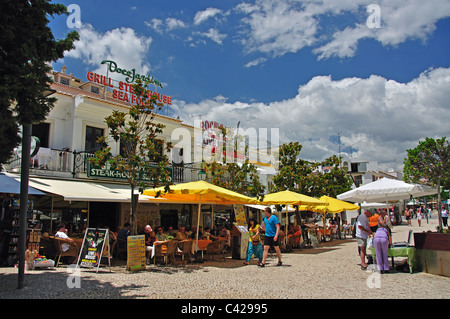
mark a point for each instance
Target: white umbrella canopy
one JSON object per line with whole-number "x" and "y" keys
{"x": 366, "y": 205}
{"x": 386, "y": 189}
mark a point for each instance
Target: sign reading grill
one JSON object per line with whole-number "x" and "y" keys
{"x": 107, "y": 172}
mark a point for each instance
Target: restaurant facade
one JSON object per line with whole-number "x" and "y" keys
{"x": 83, "y": 196}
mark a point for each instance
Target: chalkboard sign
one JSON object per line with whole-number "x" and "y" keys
{"x": 136, "y": 252}
{"x": 95, "y": 240}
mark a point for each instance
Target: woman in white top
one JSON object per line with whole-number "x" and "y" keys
{"x": 419, "y": 216}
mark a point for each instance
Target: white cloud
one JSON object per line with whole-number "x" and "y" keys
{"x": 279, "y": 27}
{"x": 213, "y": 34}
{"x": 255, "y": 62}
{"x": 202, "y": 16}
{"x": 169, "y": 24}
{"x": 122, "y": 45}
{"x": 173, "y": 23}
{"x": 378, "y": 118}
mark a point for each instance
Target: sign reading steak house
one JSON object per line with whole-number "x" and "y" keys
{"x": 124, "y": 91}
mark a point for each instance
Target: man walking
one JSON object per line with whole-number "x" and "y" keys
{"x": 362, "y": 233}
{"x": 272, "y": 228}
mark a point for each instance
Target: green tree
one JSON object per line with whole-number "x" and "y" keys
{"x": 141, "y": 158}
{"x": 429, "y": 162}
{"x": 242, "y": 179}
{"x": 303, "y": 177}
{"x": 27, "y": 45}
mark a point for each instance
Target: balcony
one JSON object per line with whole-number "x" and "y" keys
{"x": 65, "y": 163}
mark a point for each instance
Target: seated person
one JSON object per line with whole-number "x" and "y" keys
{"x": 207, "y": 234}
{"x": 124, "y": 232}
{"x": 150, "y": 238}
{"x": 160, "y": 236}
{"x": 182, "y": 234}
{"x": 171, "y": 232}
{"x": 194, "y": 232}
{"x": 62, "y": 233}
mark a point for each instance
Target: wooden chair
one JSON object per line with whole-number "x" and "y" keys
{"x": 47, "y": 247}
{"x": 216, "y": 248}
{"x": 165, "y": 249}
{"x": 295, "y": 240}
{"x": 121, "y": 250}
{"x": 185, "y": 247}
{"x": 171, "y": 250}
{"x": 71, "y": 252}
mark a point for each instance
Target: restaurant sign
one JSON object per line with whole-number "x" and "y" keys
{"x": 124, "y": 90}
{"x": 107, "y": 172}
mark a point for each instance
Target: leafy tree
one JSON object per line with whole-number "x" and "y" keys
{"x": 27, "y": 44}
{"x": 242, "y": 179}
{"x": 141, "y": 157}
{"x": 429, "y": 162}
{"x": 303, "y": 177}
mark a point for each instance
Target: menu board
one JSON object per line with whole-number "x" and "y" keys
{"x": 92, "y": 248}
{"x": 136, "y": 252}
{"x": 239, "y": 213}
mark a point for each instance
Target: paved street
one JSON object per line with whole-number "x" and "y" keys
{"x": 330, "y": 271}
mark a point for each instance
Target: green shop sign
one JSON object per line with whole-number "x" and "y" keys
{"x": 95, "y": 171}
{"x": 130, "y": 75}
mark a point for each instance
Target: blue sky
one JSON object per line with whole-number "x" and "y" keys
{"x": 310, "y": 68}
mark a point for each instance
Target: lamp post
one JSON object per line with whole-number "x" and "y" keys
{"x": 24, "y": 179}
{"x": 202, "y": 175}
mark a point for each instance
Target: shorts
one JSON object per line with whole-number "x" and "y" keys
{"x": 361, "y": 241}
{"x": 268, "y": 241}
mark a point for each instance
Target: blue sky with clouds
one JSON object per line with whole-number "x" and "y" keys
{"x": 310, "y": 68}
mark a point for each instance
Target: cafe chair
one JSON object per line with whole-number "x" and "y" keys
{"x": 71, "y": 252}
{"x": 171, "y": 250}
{"x": 185, "y": 249}
{"x": 295, "y": 241}
{"x": 47, "y": 247}
{"x": 216, "y": 248}
{"x": 121, "y": 250}
{"x": 166, "y": 250}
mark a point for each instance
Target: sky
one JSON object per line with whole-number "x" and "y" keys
{"x": 368, "y": 79}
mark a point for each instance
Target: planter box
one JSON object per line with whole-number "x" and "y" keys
{"x": 433, "y": 253}
{"x": 432, "y": 241}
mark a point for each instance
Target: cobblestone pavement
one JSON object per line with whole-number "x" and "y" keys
{"x": 330, "y": 271}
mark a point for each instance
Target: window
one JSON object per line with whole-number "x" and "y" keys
{"x": 95, "y": 90}
{"x": 42, "y": 131}
{"x": 64, "y": 81}
{"x": 92, "y": 135}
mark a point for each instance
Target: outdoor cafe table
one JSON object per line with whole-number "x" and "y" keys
{"x": 407, "y": 252}
{"x": 202, "y": 244}
{"x": 324, "y": 232}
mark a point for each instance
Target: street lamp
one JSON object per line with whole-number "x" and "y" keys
{"x": 202, "y": 175}
{"x": 24, "y": 179}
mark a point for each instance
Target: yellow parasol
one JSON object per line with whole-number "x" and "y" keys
{"x": 291, "y": 198}
{"x": 334, "y": 206}
{"x": 200, "y": 192}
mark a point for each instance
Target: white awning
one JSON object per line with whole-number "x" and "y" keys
{"x": 76, "y": 190}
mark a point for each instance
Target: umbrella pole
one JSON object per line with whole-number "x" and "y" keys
{"x": 286, "y": 230}
{"x": 198, "y": 222}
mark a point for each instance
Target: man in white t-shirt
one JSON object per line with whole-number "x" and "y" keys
{"x": 62, "y": 233}
{"x": 362, "y": 233}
